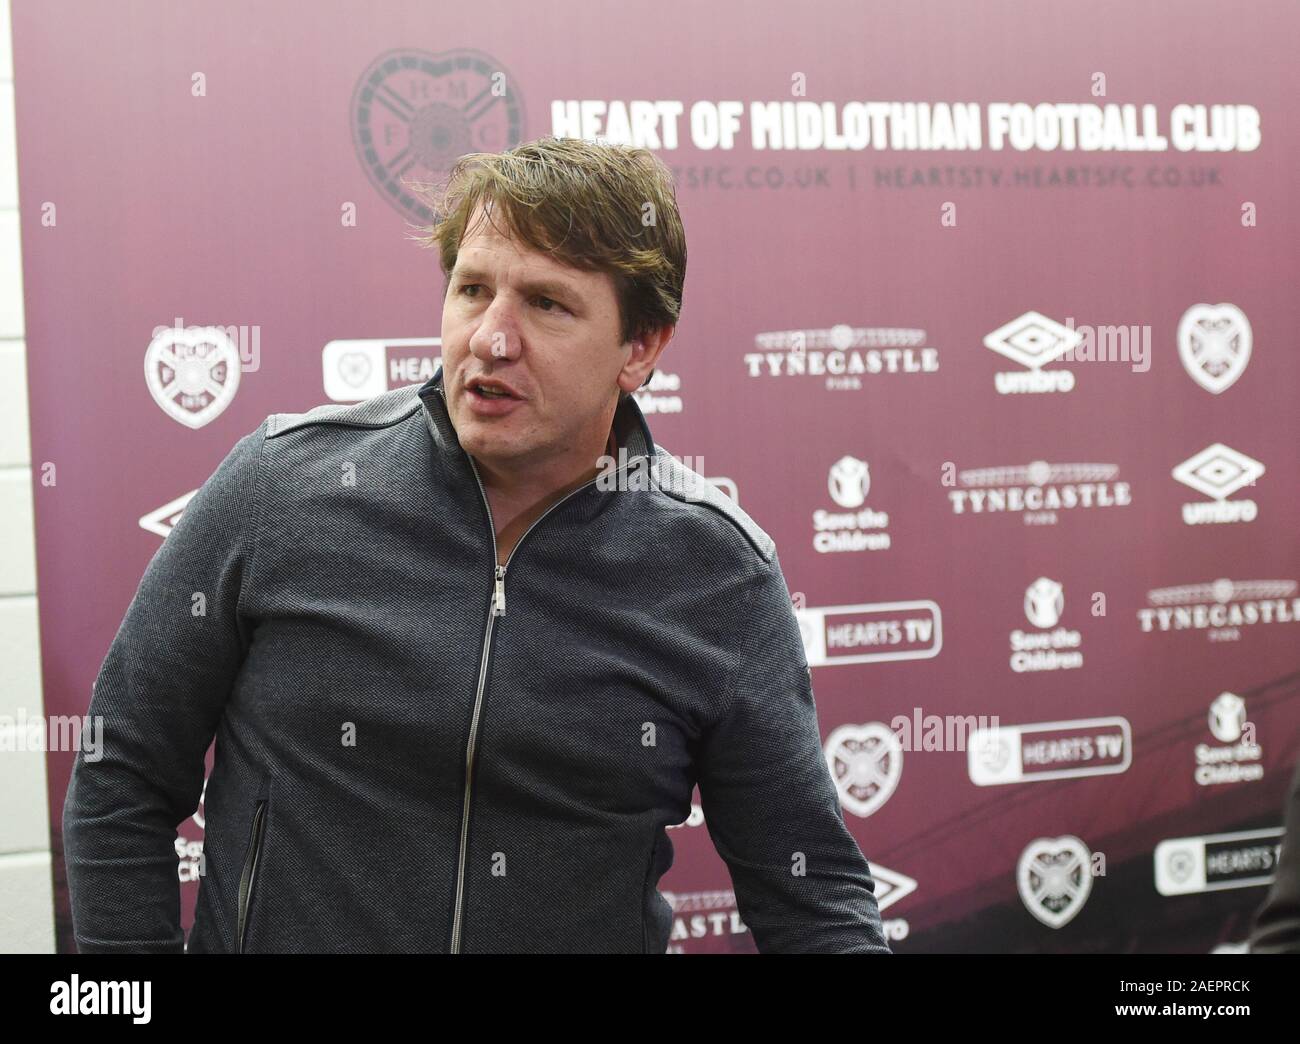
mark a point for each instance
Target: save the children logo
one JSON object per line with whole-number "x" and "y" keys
{"x": 848, "y": 482}
{"x": 1044, "y": 602}
{"x": 190, "y": 864}
{"x": 1050, "y": 648}
{"x": 860, "y": 528}
{"x": 1237, "y": 757}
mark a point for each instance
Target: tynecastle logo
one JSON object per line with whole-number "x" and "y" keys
{"x": 1033, "y": 340}
{"x": 1038, "y": 489}
{"x": 842, "y": 355}
{"x": 1220, "y": 608}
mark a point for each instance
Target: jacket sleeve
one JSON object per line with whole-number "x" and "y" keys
{"x": 802, "y": 884}
{"x": 159, "y": 696}
{"x": 1277, "y": 922}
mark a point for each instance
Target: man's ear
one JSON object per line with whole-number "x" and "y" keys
{"x": 645, "y": 348}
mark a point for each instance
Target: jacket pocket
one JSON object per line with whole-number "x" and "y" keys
{"x": 249, "y": 876}
{"x": 656, "y": 911}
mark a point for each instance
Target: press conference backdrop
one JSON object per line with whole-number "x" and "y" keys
{"x": 989, "y": 321}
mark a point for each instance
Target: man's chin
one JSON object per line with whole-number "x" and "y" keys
{"x": 495, "y": 447}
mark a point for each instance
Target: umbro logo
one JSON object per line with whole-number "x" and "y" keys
{"x": 1219, "y": 471}
{"x": 1033, "y": 340}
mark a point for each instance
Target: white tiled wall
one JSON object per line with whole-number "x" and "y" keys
{"x": 26, "y": 883}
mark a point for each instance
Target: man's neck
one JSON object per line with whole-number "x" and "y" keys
{"x": 515, "y": 508}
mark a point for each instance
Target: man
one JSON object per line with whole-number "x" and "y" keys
{"x": 1276, "y": 927}
{"x": 461, "y": 676}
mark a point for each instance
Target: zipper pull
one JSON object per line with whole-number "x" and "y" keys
{"x": 499, "y": 594}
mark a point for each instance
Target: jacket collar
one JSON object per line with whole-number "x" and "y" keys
{"x": 630, "y": 427}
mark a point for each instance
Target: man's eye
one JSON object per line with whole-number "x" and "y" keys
{"x": 554, "y": 302}
{"x": 468, "y": 286}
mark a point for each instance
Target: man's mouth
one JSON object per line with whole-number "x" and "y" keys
{"x": 490, "y": 397}
{"x": 491, "y": 389}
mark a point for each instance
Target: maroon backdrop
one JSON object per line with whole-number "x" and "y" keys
{"x": 882, "y": 284}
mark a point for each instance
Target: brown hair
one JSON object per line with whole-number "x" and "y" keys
{"x": 596, "y": 207}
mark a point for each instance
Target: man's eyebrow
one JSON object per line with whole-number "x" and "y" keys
{"x": 546, "y": 287}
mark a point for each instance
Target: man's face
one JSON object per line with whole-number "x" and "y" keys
{"x": 547, "y": 331}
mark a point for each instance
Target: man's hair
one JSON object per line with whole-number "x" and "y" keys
{"x": 596, "y": 207}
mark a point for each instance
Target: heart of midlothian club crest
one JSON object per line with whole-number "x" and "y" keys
{"x": 415, "y": 113}
{"x": 1214, "y": 344}
{"x": 193, "y": 373}
{"x": 1054, "y": 877}
{"x": 865, "y": 762}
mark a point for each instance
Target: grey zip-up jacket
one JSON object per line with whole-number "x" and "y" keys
{"x": 420, "y": 751}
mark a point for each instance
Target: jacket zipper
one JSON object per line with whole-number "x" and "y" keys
{"x": 498, "y": 609}
{"x": 250, "y": 871}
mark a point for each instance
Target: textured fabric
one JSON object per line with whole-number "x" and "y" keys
{"x": 1277, "y": 921}
{"x": 346, "y": 658}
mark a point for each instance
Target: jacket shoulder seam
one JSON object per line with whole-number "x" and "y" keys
{"x": 380, "y": 411}
{"x": 252, "y": 544}
{"x": 681, "y": 483}
{"x": 730, "y": 692}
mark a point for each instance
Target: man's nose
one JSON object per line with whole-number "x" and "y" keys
{"x": 497, "y": 336}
